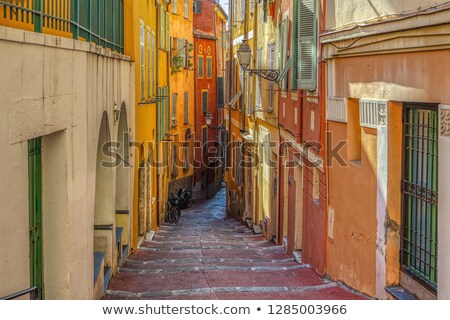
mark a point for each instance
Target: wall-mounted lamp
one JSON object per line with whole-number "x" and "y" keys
{"x": 117, "y": 111}
{"x": 244, "y": 54}
{"x": 208, "y": 120}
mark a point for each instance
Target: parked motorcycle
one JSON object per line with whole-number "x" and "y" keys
{"x": 184, "y": 199}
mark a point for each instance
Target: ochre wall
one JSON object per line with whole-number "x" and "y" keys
{"x": 352, "y": 196}
{"x": 393, "y": 219}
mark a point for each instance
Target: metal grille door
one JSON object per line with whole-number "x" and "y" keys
{"x": 420, "y": 193}
{"x": 35, "y": 212}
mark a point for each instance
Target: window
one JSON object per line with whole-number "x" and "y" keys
{"x": 208, "y": 67}
{"x": 167, "y": 32}
{"x": 204, "y": 139}
{"x": 174, "y": 109}
{"x": 162, "y": 34}
{"x": 258, "y": 83}
{"x": 200, "y": 66}
{"x": 186, "y": 9}
{"x": 316, "y": 186}
{"x": 204, "y": 101}
{"x": 186, "y": 156}
{"x": 174, "y": 161}
{"x": 236, "y": 12}
{"x": 197, "y": 7}
{"x": 159, "y": 117}
{"x": 149, "y": 71}
{"x": 283, "y": 31}
{"x": 142, "y": 60}
{"x": 186, "y": 108}
{"x": 174, "y": 6}
{"x": 271, "y": 66}
{"x": 238, "y": 162}
{"x": 241, "y": 10}
{"x": 166, "y": 109}
{"x": 153, "y": 64}
{"x": 304, "y": 44}
{"x": 220, "y": 92}
{"x": 181, "y": 51}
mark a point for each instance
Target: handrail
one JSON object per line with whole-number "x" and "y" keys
{"x": 34, "y": 294}
{"x": 79, "y": 19}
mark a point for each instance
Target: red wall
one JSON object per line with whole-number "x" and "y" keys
{"x": 210, "y": 84}
{"x": 205, "y": 22}
{"x": 314, "y": 221}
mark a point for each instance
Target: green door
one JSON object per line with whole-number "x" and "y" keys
{"x": 420, "y": 193}
{"x": 35, "y": 210}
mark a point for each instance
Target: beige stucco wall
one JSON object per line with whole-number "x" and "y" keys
{"x": 344, "y": 12}
{"x": 56, "y": 88}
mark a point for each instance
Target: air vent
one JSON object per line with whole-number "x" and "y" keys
{"x": 337, "y": 109}
{"x": 373, "y": 113}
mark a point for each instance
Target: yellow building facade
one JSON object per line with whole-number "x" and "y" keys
{"x": 163, "y": 107}
{"x": 181, "y": 95}
{"x": 141, "y": 33}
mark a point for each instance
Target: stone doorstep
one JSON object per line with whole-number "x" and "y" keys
{"x": 399, "y": 293}
{"x": 409, "y": 284}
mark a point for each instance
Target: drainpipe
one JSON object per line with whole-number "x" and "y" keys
{"x": 230, "y": 80}
{"x": 195, "y": 112}
{"x": 158, "y": 144}
{"x": 244, "y": 84}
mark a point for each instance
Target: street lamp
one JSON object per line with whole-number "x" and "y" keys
{"x": 244, "y": 54}
{"x": 208, "y": 120}
{"x": 117, "y": 111}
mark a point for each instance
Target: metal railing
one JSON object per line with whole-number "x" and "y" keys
{"x": 98, "y": 21}
{"x": 33, "y": 291}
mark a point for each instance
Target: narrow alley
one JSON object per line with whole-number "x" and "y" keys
{"x": 207, "y": 256}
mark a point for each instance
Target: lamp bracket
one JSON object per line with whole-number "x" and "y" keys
{"x": 268, "y": 74}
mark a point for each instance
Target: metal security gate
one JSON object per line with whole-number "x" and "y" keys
{"x": 420, "y": 193}
{"x": 35, "y": 212}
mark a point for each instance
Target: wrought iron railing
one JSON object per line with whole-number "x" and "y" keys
{"x": 33, "y": 292}
{"x": 97, "y": 21}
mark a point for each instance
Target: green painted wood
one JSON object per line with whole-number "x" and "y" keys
{"x": 420, "y": 212}
{"x": 35, "y": 212}
{"x": 37, "y": 16}
{"x": 294, "y": 46}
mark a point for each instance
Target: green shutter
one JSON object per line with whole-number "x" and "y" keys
{"x": 167, "y": 109}
{"x": 162, "y": 33}
{"x": 158, "y": 115}
{"x": 167, "y": 32}
{"x": 220, "y": 97}
{"x": 205, "y": 101}
{"x": 294, "y": 47}
{"x": 307, "y": 50}
{"x": 186, "y": 108}
{"x": 200, "y": 67}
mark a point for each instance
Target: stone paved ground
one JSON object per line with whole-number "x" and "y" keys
{"x": 206, "y": 256}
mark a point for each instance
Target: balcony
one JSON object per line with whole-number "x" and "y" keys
{"x": 97, "y": 21}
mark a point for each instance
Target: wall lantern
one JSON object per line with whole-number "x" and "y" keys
{"x": 117, "y": 111}
{"x": 208, "y": 119}
{"x": 244, "y": 54}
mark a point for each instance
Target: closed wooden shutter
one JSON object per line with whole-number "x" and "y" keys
{"x": 162, "y": 33}
{"x": 220, "y": 92}
{"x": 186, "y": 108}
{"x": 205, "y": 101}
{"x": 307, "y": 44}
{"x": 174, "y": 109}
{"x": 167, "y": 32}
{"x": 181, "y": 51}
{"x": 294, "y": 47}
